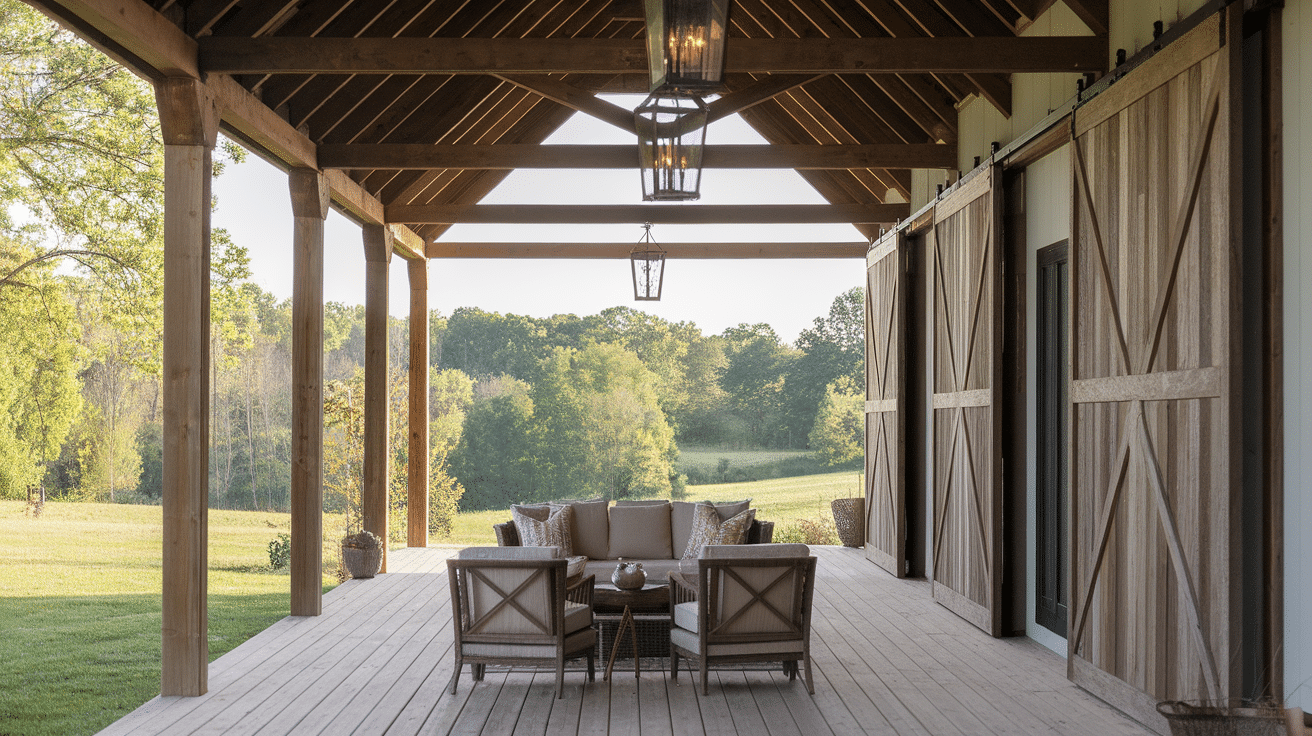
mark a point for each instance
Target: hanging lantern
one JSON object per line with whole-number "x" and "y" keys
{"x": 671, "y": 138}
{"x": 647, "y": 261}
{"x": 685, "y": 44}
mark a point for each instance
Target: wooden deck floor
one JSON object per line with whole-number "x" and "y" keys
{"x": 888, "y": 660}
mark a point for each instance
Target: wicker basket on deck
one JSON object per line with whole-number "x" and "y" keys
{"x": 850, "y": 518}
{"x": 362, "y": 563}
{"x": 1212, "y": 718}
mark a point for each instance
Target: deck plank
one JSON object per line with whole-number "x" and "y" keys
{"x": 887, "y": 661}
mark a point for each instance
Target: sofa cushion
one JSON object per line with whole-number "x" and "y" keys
{"x": 591, "y": 533}
{"x": 641, "y": 532}
{"x": 708, "y": 529}
{"x": 681, "y": 525}
{"x": 545, "y": 527}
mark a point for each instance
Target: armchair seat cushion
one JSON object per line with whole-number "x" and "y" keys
{"x": 579, "y": 640}
{"x": 577, "y": 616}
{"x": 689, "y": 641}
{"x": 685, "y": 616}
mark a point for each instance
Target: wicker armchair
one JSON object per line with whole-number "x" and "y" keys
{"x": 752, "y": 603}
{"x": 511, "y": 606}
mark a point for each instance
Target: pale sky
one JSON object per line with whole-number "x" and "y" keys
{"x": 254, "y": 206}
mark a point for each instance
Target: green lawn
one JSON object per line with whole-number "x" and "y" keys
{"x": 707, "y": 459}
{"x": 80, "y": 606}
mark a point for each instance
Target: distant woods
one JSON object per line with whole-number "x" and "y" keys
{"x": 521, "y": 408}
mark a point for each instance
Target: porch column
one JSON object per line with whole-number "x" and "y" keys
{"x": 309, "y": 190}
{"x": 189, "y": 125}
{"x": 377, "y": 450}
{"x": 417, "y": 501}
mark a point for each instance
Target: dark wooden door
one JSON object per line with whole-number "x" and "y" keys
{"x": 1154, "y": 446}
{"x": 886, "y": 335}
{"x": 1052, "y": 402}
{"x": 967, "y": 543}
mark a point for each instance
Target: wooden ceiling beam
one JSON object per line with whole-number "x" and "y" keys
{"x": 575, "y": 99}
{"x": 756, "y": 93}
{"x": 529, "y": 156}
{"x": 682, "y": 251}
{"x": 546, "y": 214}
{"x": 623, "y": 56}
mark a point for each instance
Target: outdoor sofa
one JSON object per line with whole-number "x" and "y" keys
{"x": 655, "y": 533}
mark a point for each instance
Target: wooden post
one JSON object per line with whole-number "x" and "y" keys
{"x": 309, "y": 190}
{"x": 189, "y": 125}
{"x": 377, "y": 447}
{"x": 417, "y": 501}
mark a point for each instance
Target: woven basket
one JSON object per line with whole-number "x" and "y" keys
{"x": 850, "y": 518}
{"x": 362, "y": 563}
{"x": 1207, "y": 718}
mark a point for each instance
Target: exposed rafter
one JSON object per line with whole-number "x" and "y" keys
{"x": 527, "y": 156}
{"x": 682, "y": 251}
{"x": 530, "y": 214}
{"x": 622, "y": 56}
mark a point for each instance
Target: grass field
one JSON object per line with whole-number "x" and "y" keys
{"x": 707, "y": 459}
{"x": 80, "y": 606}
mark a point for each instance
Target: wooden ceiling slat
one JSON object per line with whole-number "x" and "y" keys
{"x": 201, "y": 14}
{"x": 366, "y": 116}
{"x": 256, "y": 18}
{"x": 1094, "y": 13}
{"x": 1005, "y": 12}
{"x": 755, "y": 93}
{"x": 880, "y": 105}
{"x": 974, "y": 20}
{"x": 898, "y": 93}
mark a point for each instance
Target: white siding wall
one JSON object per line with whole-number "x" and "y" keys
{"x": 1297, "y": 43}
{"x": 1033, "y": 96}
{"x": 1132, "y": 21}
{"x": 1047, "y": 221}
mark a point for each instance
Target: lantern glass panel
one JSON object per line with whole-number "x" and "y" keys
{"x": 685, "y": 43}
{"x": 671, "y": 139}
{"x": 648, "y": 275}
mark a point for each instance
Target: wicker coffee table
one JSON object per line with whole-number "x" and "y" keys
{"x": 644, "y": 613}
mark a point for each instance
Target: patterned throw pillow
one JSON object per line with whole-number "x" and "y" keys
{"x": 708, "y": 529}
{"x": 545, "y": 527}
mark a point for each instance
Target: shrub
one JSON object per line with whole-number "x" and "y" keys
{"x": 280, "y": 551}
{"x": 807, "y": 531}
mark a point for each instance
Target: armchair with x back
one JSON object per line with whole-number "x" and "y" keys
{"x": 510, "y": 605}
{"x": 753, "y": 604}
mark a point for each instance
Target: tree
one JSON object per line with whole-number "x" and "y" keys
{"x": 754, "y": 380}
{"x": 494, "y": 458}
{"x": 39, "y": 397}
{"x": 485, "y": 344}
{"x": 598, "y": 427}
{"x": 834, "y": 347}
{"x": 838, "y": 435}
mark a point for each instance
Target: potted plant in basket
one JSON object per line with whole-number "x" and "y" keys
{"x": 362, "y": 554}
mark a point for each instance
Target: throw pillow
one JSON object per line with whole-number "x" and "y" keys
{"x": 729, "y": 509}
{"x": 640, "y": 532}
{"x": 545, "y": 527}
{"x": 707, "y": 529}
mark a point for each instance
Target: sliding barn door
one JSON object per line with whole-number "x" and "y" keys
{"x": 967, "y": 569}
{"x": 1154, "y": 441}
{"x": 886, "y": 334}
